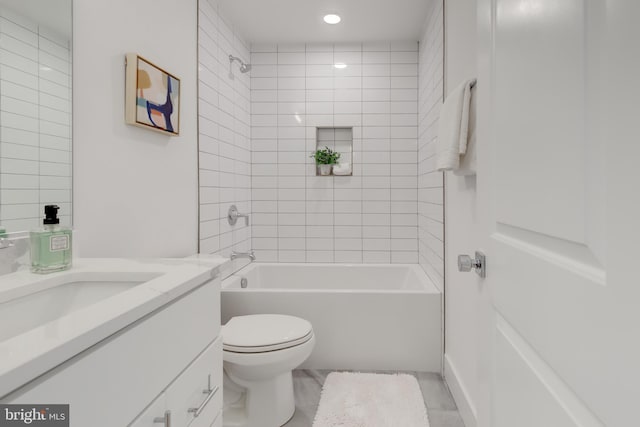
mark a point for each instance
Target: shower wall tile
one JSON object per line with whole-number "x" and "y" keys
{"x": 225, "y": 133}
{"x": 369, "y": 217}
{"x": 430, "y": 181}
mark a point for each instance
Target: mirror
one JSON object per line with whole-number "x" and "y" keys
{"x": 35, "y": 111}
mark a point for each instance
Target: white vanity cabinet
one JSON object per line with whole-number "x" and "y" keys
{"x": 194, "y": 399}
{"x": 169, "y": 361}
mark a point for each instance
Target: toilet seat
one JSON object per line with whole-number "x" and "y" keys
{"x": 260, "y": 333}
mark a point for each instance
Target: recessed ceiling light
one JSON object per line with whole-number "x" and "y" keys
{"x": 332, "y": 19}
{"x": 340, "y": 65}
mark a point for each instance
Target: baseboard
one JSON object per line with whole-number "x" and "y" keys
{"x": 460, "y": 394}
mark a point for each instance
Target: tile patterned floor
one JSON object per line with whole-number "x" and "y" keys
{"x": 440, "y": 405}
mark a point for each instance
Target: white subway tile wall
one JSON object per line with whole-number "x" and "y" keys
{"x": 35, "y": 122}
{"x": 430, "y": 181}
{"x": 224, "y": 127}
{"x": 370, "y": 217}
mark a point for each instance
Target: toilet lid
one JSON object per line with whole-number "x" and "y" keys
{"x": 264, "y": 332}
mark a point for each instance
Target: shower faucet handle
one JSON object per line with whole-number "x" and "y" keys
{"x": 466, "y": 263}
{"x": 233, "y": 215}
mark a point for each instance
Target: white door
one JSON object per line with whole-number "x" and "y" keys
{"x": 559, "y": 193}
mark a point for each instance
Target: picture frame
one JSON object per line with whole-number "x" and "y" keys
{"x": 152, "y": 96}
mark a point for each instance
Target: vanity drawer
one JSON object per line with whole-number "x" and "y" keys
{"x": 198, "y": 388}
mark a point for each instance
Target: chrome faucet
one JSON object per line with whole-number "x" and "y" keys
{"x": 251, "y": 255}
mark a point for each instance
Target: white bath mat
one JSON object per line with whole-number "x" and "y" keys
{"x": 371, "y": 400}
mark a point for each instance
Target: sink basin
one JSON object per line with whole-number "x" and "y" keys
{"x": 46, "y": 320}
{"x": 56, "y": 298}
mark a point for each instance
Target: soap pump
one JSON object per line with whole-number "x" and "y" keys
{"x": 51, "y": 244}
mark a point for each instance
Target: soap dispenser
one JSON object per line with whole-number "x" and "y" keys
{"x": 50, "y": 245}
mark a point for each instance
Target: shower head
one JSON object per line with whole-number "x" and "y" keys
{"x": 244, "y": 67}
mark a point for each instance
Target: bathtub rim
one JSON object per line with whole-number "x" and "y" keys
{"x": 428, "y": 287}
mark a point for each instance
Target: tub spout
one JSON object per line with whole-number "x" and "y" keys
{"x": 251, "y": 255}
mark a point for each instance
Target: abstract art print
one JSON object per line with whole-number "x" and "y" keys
{"x": 152, "y": 96}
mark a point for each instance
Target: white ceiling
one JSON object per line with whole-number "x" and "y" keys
{"x": 295, "y": 21}
{"x": 55, "y": 14}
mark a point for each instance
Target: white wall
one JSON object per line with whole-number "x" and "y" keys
{"x": 224, "y": 126}
{"x": 462, "y": 298}
{"x": 135, "y": 191}
{"x": 430, "y": 181}
{"x": 368, "y": 217}
{"x": 35, "y": 131}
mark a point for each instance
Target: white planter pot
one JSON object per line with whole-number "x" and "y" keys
{"x": 325, "y": 169}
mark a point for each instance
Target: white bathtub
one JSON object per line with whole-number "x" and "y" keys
{"x": 365, "y": 316}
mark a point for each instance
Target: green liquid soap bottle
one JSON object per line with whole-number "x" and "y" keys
{"x": 51, "y": 245}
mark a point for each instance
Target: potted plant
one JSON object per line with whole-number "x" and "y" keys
{"x": 325, "y": 159}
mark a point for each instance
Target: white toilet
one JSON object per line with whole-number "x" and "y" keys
{"x": 260, "y": 351}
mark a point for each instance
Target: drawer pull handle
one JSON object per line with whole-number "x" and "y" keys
{"x": 210, "y": 392}
{"x": 166, "y": 420}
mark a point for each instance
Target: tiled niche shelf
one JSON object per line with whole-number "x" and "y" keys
{"x": 339, "y": 139}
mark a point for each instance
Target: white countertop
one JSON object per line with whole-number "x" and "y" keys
{"x": 28, "y": 355}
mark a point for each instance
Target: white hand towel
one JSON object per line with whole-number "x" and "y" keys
{"x": 453, "y": 127}
{"x": 468, "y": 159}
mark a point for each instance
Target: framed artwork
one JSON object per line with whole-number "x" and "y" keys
{"x": 152, "y": 97}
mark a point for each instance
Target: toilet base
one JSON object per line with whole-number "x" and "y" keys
{"x": 268, "y": 403}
